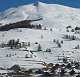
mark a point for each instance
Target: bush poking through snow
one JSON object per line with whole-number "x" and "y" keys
{"x": 59, "y": 45}
{"x": 48, "y": 50}
{"x": 16, "y": 68}
{"x": 14, "y": 44}
{"x": 72, "y": 72}
{"x": 39, "y": 48}
{"x": 70, "y": 37}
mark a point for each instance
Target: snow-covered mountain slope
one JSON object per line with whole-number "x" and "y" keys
{"x": 54, "y": 15}
{"x": 13, "y": 15}
{"x": 46, "y": 39}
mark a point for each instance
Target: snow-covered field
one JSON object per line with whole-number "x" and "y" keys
{"x": 32, "y": 36}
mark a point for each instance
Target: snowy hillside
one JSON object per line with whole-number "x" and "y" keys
{"x": 30, "y": 48}
{"x": 53, "y": 15}
{"x": 45, "y": 38}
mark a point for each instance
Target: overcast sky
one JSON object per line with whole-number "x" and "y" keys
{"x": 5, "y": 4}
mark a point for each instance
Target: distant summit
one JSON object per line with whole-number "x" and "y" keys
{"x": 53, "y": 15}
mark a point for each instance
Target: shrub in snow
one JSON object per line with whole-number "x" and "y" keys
{"x": 51, "y": 29}
{"x": 24, "y": 44}
{"x": 16, "y": 68}
{"x": 20, "y": 30}
{"x": 11, "y": 43}
{"x": 57, "y": 66}
{"x": 78, "y": 76}
{"x": 40, "y": 26}
{"x": 2, "y": 45}
{"x": 52, "y": 70}
{"x": 77, "y": 28}
{"x": 70, "y": 37}
{"x": 14, "y": 44}
{"x": 72, "y": 30}
{"x": 72, "y": 72}
{"x": 39, "y": 71}
{"x": 54, "y": 40}
{"x": 67, "y": 30}
{"x": 37, "y": 26}
{"x": 48, "y": 50}
{"x": 69, "y": 66}
{"x": 69, "y": 26}
{"x": 59, "y": 45}
{"x": 73, "y": 37}
{"x": 77, "y": 65}
{"x": 29, "y": 44}
{"x": 28, "y": 56}
{"x": 57, "y": 41}
{"x": 66, "y": 36}
{"x": 77, "y": 47}
{"x": 50, "y": 65}
{"x": 7, "y": 55}
{"x": 36, "y": 42}
{"x": 62, "y": 72}
{"x": 65, "y": 60}
{"x": 62, "y": 42}
{"x": 39, "y": 48}
{"x": 30, "y": 71}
